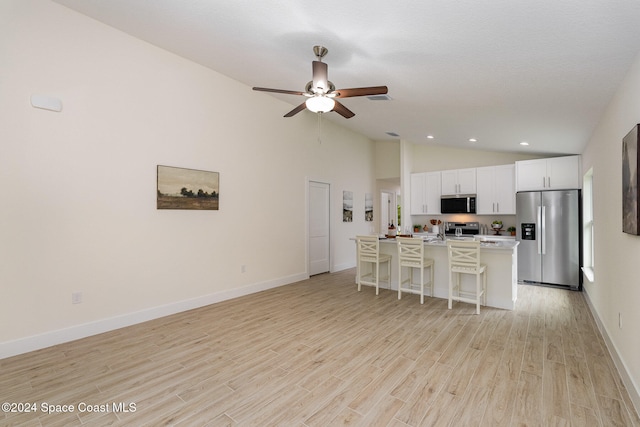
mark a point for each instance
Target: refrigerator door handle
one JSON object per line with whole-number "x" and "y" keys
{"x": 543, "y": 231}
{"x": 539, "y": 238}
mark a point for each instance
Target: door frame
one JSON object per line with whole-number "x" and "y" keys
{"x": 392, "y": 210}
{"x": 308, "y": 181}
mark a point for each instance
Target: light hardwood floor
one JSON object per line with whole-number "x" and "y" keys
{"x": 319, "y": 353}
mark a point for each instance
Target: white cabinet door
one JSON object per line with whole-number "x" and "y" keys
{"x": 467, "y": 181}
{"x": 531, "y": 175}
{"x": 459, "y": 181}
{"x": 449, "y": 182}
{"x": 548, "y": 174}
{"x": 418, "y": 204}
{"x": 425, "y": 193}
{"x": 432, "y": 192}
{"x": 505, "y": 189}
{"x": 563, "y": 173}
{"x": 485, "y": 195}
{"x": 496, "y": 190}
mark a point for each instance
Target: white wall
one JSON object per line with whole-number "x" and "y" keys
{"x": 78, "y": 187}
{"x": 428, "y": 158}
{"x": 616, "y": 288}
{"x": 387, "y": 159}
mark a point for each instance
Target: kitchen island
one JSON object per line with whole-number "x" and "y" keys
{"x": 500, "y": 256}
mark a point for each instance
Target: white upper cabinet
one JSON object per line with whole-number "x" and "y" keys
{"x": 556, "y": 173}
{"x": 459, "y": 181}
{"x": 496, "y": 190}
{"x": 425, "y": 193}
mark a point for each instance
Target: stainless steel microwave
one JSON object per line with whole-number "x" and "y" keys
{"x": 458, "y": 204}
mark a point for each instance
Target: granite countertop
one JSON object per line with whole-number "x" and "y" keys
{"x": 505, "y": 244}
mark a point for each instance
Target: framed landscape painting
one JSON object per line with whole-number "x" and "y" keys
{"x": 180, "y": 188}
{"x": 630, "y": 182}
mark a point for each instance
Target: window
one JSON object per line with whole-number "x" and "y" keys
{"x": 588, "y": 225}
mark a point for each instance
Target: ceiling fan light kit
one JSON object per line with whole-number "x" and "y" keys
{"x": 320, "y": 104}
{"x": 321, "y": 92}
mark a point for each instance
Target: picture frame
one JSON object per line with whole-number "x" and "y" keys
{"x": 368, "y": 207}
{"x": 347, "y": 206}
{"x": 630, "y": 182}
{"x": 190, "y": 189}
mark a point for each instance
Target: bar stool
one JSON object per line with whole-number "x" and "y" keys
{"x": 464, "y": 258}
{"x": 411, "y": 255}
{"x": 368, "y": 251}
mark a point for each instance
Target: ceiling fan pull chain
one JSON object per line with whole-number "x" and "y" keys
{"x": 319, "y": 122}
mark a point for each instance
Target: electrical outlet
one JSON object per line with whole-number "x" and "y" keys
{"x": 76, "y": 297}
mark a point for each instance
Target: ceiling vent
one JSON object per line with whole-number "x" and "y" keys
{"x": 395, "y": 135}
{"x": 379, "y": 98}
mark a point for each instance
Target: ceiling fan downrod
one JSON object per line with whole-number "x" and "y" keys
{"x": 320, "y": 52}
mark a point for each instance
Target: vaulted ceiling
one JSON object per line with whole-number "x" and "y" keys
{"x": 499, "y": 71}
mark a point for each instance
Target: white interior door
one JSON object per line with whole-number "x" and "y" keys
{"x": 319, "y": 215}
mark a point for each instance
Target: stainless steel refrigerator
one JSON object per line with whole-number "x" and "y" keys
{"x": 548, "y": 229}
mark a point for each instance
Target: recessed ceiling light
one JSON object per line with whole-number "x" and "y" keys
{"x": 524, "y": 143}
{"x": 429, "y": 136}
{"x": 473, "y": 140}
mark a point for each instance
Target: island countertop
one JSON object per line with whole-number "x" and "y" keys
{"x": 500, "y": 256}
{"x": 488, "y": 243}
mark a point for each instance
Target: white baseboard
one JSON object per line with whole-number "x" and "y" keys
{"x": 629, "y": 383}
{"x": 341, "y": 267}
{"x": 48, "y": 339}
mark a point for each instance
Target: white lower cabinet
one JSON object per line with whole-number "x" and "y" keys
{"x": 496, "y": 193}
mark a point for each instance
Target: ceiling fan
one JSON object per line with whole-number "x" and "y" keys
{"x": 321, "y": 93}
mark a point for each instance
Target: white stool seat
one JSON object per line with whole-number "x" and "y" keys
{"x": 368, "y": 251}
{"x": 411, "y": 255}
{"x": 464, "y": 258}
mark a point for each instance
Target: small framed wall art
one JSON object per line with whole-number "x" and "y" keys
{"x": 368, "y": 207}
{"x": 630, "y": 183}
{"x": 180, "y": 188}
{"x": 347, "y": 206}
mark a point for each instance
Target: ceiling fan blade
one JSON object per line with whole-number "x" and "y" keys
{"x": 320, "y": 77}
{"x": 361, "y": 91}
{"x": 288, "y": 92}
{"x": 296, "y": 110}
{"x": 343, "y": 111}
